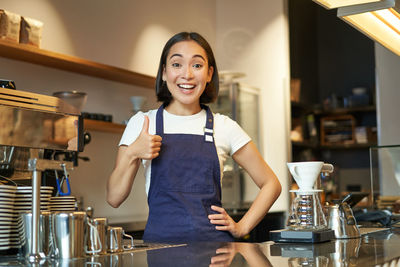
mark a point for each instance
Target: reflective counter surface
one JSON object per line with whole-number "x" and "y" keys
{"x": 374, "y": 249}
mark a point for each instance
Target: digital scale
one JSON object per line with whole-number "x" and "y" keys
{"x": 302, "y": 236}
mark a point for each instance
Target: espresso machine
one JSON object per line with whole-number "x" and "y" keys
{"x": 30, "y": 124}
{"x": 306, "y": 221}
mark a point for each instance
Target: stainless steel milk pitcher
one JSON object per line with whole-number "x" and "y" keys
{"x": 115, "y": 239}
{"x": 70, "y": 235}
{"x": 95, "y": 243}
{"x": 45, "y": 237}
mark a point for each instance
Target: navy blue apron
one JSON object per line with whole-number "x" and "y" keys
{"x": 185, "y": 182}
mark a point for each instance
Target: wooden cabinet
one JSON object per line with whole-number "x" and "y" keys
{"x": 337, "y": 129}
{"x": 315, "y": 126}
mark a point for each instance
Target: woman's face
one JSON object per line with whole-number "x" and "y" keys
{"x": 186, "y": 73}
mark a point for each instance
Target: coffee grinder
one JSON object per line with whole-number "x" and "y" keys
{"x": 306, "y": 222}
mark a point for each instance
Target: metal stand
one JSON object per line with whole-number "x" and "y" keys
{"x": 37, "y": 166}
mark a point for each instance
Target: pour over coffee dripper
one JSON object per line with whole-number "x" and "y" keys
{"x": 306, "y": 173}
{"x": 306, "y": 222}
{"x": 306, "y": 210}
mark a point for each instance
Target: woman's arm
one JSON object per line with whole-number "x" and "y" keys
{"x": 250, "y": 159}
{"x": 119, "y": 184}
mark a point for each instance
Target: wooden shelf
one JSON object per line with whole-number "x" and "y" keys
{"x": 348, "y": 146}
{"x": 305, "y": 144}
{"x": 311, "y": 145}
{"x": 345, "y": 110}
{"x": 46, "y": 58}
{"x": 103, "y": 126}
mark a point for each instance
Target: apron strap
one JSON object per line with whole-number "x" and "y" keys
{"x": 160, "y": 121}
{"x": 208, "y": 129}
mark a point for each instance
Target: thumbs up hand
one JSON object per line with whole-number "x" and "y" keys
{"x": 146, "y": 146}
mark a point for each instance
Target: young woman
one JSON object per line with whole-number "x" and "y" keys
{"x": 182, "y": 147}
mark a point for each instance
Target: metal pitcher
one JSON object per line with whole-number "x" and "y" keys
{"x": 70, "y": 235}
{"x": 341, "y": 220}
{"x": 94, "y": 243}
{"x": 115, "y": 239}
{"x": 45, "y": 237}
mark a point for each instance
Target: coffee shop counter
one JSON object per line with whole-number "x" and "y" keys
{"x": 374, "y": 249}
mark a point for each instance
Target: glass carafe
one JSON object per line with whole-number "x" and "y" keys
{"x": 306, "y": 212}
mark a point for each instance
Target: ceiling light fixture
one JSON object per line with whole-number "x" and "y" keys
{"x": 379, "y": 20}
{"x": 330, "y": 4}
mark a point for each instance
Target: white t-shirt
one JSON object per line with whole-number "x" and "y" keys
{"x": 229, "y": 137}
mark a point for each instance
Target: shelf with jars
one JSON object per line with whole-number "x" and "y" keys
{"x": 342, "y": 128}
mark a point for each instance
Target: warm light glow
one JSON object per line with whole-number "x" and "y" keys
{"x": 382, "y": 26}
{"x": 390, "y": 17}
{"x": 341, "y": 3}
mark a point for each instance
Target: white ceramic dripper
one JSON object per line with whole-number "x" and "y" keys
{"x": 306, "y": 173}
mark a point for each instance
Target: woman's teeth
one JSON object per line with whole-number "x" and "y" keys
{"x": 186, "y": 86}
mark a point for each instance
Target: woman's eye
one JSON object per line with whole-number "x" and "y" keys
{"x": 197, "y": 66}
{"x": 176, "y": 65}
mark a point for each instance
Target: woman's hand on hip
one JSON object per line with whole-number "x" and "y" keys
{"x": 224, "y": 222}
{"x": 146, "y": 146}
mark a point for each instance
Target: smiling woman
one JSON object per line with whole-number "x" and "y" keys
{"x": 186, "y": 73}
{"x": 183, "y": 147}
{"x": 188, "y": 60}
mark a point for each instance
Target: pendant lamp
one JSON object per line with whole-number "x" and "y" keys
{"x": 330, "y": 4}
{"x": 379, "y": 20}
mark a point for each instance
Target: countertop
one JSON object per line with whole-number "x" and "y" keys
{"x": 130, "y": 224}
{"x": 373, "y": 249}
